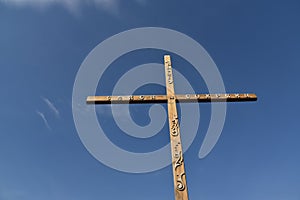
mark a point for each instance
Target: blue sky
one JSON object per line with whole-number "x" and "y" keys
{"x": 255, "y": 45}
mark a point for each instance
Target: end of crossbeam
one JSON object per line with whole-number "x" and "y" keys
{"x": 98, "y": 100}
{"x": 90, "y": 100}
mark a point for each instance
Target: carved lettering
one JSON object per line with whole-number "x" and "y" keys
{"x": 170, "y": 79}
{"x": 175, "y": 127}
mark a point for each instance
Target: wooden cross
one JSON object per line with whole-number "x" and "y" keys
{"x": 179, "y": 176}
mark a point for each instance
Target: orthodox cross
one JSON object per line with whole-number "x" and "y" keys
{"x": 179, "y": 176}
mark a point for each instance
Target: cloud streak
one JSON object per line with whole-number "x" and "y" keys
{"x": 43, "y": 118}
{"x": 51, "y": 106}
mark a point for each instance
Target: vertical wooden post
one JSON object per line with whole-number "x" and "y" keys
{"x": 179, "y": 176}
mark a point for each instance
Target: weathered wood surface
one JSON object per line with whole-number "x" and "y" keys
{"x": 179, "y": 176}
{"x": 179, "y": 98}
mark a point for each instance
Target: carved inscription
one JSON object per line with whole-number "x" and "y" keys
{"x": 169, "y": 74}
{"x": 175, "y": 126}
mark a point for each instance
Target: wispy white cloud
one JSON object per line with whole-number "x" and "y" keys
{"x": 50, "y": 111}
{"x": 72, "y": 5}
{"x": 51, "y": 106}
{"x": 43, "y": 118}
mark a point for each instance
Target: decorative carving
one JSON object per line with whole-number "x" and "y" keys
{"x": 179, "y": 160}
{"x": 180, "y": 184}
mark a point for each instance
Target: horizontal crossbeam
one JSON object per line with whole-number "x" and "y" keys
{"x": 163, "y": 98}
